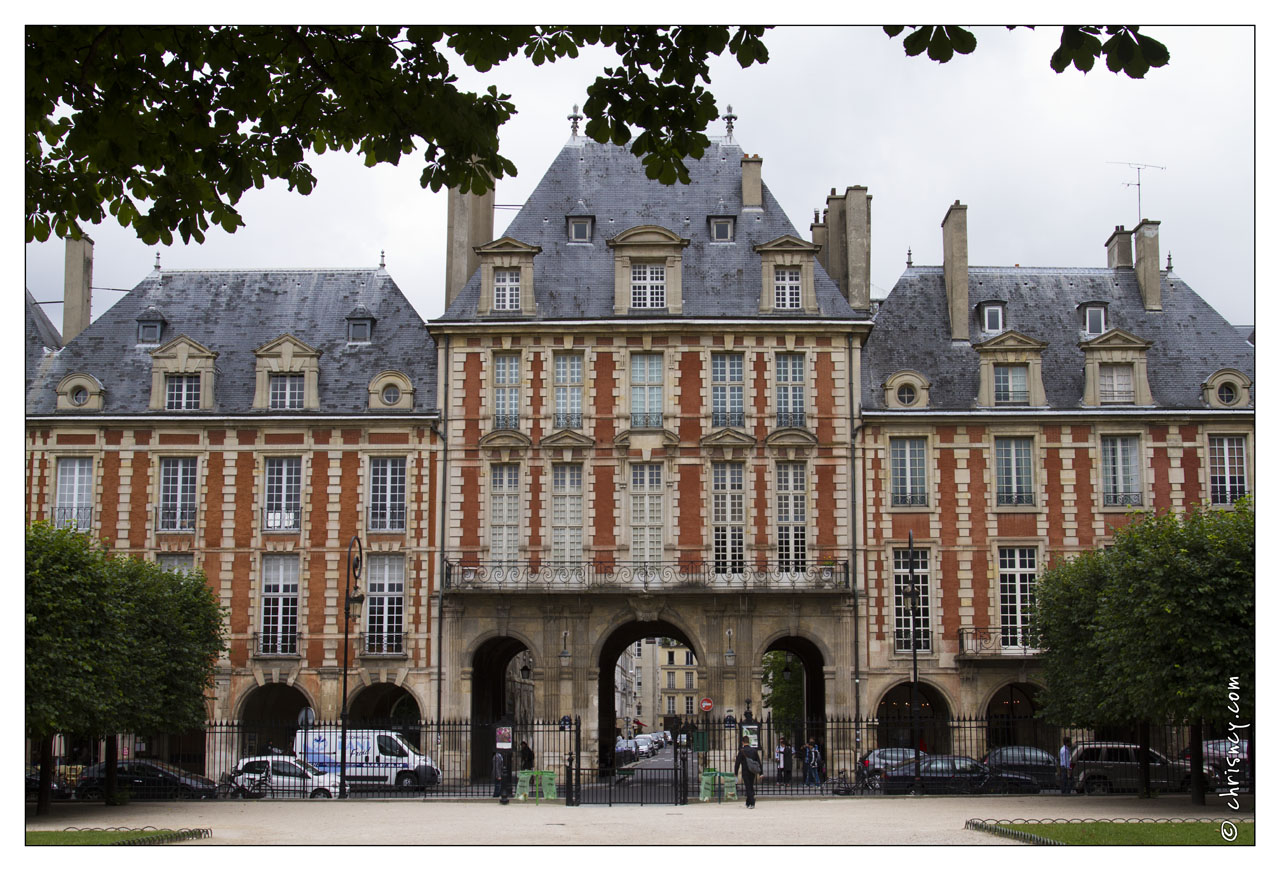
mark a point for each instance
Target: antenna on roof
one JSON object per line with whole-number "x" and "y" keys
{"x": 729, "y": 118}
{"x": 1136, "y": 184}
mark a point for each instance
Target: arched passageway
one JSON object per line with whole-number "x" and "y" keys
{"x": 500, "y": 693}
{"x": 806, "y": 662}
{"x": 617, "y": 642}
{"x": 933, "y": 723}
{"x": 1011, "y": 719}
{"x": 269, "y": 718}
{"x": 383, "y": 703}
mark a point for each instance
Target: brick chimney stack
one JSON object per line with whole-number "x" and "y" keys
{"x": 1147, "y": 263}
{"x": 77, "y": 281}
{"x": 470, "y": 224}
{"x": 955, "y": 267}
{"x": 1120, "y": 248}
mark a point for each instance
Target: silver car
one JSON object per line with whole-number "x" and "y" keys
{"x": 289, "y": 777}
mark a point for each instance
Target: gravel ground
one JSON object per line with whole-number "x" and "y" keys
{"x": 833, "y": 821}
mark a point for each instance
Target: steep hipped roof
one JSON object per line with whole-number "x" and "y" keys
{"x": 1190, "y": 341}
{"x": 608, "y": 183}
{"x": 233, "y": 312}
{"x": 41, "y": 337}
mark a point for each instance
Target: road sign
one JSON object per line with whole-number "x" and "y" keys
{"x": 706, "y": 704}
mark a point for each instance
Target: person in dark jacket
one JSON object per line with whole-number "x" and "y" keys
{"x": 526, "y": 756}
{"x": 499, "y": 772}
{"x": 745, "y": 752}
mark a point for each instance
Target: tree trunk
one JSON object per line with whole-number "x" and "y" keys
{"x": 1197, "y": 763}
{"x": 110, "y": 769}
{"x": 1144, "y": 759}
{"x": 46, "y": 775}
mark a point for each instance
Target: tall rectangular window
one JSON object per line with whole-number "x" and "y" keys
{"x": 1121, "y": 479}
{"x": 901, "y": 599}
{"x": 283, "y": 509}
{"x": 792, "y": 528}
{"x": 568, "y": 388}
{"x": 288, "y": 391}
{"x": 646, "y": 513}
{"x": 1227, "y": 475}
{"x": 786, "y": 287}
{"x": 906, "y": 471}
{"x": 1095, "y": 320}
{"x": 506, "y": 391}
{"x": 1115, "y": 383}
{"x": 688, "y": 680}
{"x": 1017, "y": 595}
{"x": 1011, "y": 385}
{"x": 1013, "y": 472}
{"x": 646, "y": 391}
{"x": 384, "y": 607}
{"x": 728, "y": 517}
{"x": 181, "y": 392}
{"x": 386, "y": 494}
{"x": 671, "y": 680}
{"x": 671, "y": 705}
{"x": 566, "y": 513}
{"x": 504, "y": 513}
{"x": 726, "y": 390}
{"x": 688, "y": 657}
{"x": 790, "y": 390}
{"x": 688, "y": 705}
{"x": 506, "y": 289}
{"x": 648, "y": 285}
{"x": 279, "y": 604}
{"x": 74, "y": 506}
{"x": 177, "y": 494}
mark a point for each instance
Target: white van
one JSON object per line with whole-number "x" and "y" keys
{"x": 375, "y": 757}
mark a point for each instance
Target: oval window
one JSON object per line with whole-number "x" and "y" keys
{"x": 1227, "y": 393}
{"x": 80, "y": 396}
{"x": 906, "y": 395}
{"x": 390, "y": 394}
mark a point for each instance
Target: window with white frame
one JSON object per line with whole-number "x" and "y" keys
{"x": 279, "y": 625}
{"x": 1011, "y": 385}
{"x": 506, "y": 289}
{"x": 728, "y": 517}
{"x": 688, "y": 705}
{"x": 902, "y": 621}
{"x": 646, "y": 391}
{"x": 789, "y": 377}
{"x": 648, "y": 285}
{"x": 646, "y": 513}
{"x": 566, "y": 513}
{"x": 74, "y": 505}
{"x": 177, "y": 512}
{"x": 1115, "y": 383}
{"x": 504, "y": 513}
{"x": 792, "y": 515}
{"x": 182, "y": 392}
{"x": 726, "y": 390}
{"x": 907, "y": 471}
{"x": 671, "y": 680}
{"x": 722, "y": 229}
{"x": 1017, "y": 595}
{"x": 283, "y": 508}
{"x": 288, "y": 390}
{"x": 568, "y": 391}
{"x": 384, "y": 604}
{"x": 386, "y": 494}
{"x": 786, "y": 287}
{"x": 993, "y": 318}
{"x": 688, "y": 680}
{"x": 506, "y": 391}
{"x": 1013, "y": 472}
{"x": 579, "y": 229}
{"x": 176, "y": 562}
{"x": 1095, "y": 319}
{"x": 688, "y": 657}
{"x": 1121, "y": 476}
{"x": 671, "y": 705}
{"x": 1227, "y": 469}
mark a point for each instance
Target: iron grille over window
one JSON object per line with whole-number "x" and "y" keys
{"x": 1121, "y": 482}
{"x": 1011, "y": 385}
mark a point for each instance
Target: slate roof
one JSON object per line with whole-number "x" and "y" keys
{"x": 41, "y": 337}
{"x": 607, "y": 182}
{"x": 1190, "y": 339}
{"x": 234, "y": 312}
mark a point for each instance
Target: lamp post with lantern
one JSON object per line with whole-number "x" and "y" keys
{"x": 351, "y": 603}
{"x": 912, "y": 595}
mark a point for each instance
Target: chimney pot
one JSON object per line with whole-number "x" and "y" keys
{"x": 752, "y": 195}
{"x": 1147, "y": 263}
{"x": 470, "y": 225}
{"x": 955, "y": 268}
{"x": 1120, "y": 248}
{"x": 77, "y": 283}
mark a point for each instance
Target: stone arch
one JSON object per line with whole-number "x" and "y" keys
{"x": 813, "y": 657}
{"x": 268, "y": 716}
{"x": 1010, "y": 717}
{"x": 894, "y": 722}
{"x": 497, "y": 691}
{"x": 379, "y": 703}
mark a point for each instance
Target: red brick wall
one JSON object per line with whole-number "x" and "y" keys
{"x": 690, "y": 396}
{"x": 605, "y": 383}
{"x": 692, "y": 532}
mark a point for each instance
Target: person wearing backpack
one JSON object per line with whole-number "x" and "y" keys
{"x": 748, "y": 762}
{"x": 812, "y": 763}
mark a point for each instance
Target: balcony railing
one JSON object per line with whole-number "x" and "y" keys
{"x": 176, "y": 518}
{"x": 76, "y": 518}
{"x": 283, "y": 643}
{"x": 506, "y": 420}
{"x": 463, "y": 573}
{"x": 1013, "y": 397}
{"x": 726, "y": 418}
{"x": 997, "y": 641}
{"x": 910, "y": 499}
{"x": 1114, "y": 500}
{"x": 1116, "y": 397}
{"x": 386, "y": 518}
{"x": 568, "y": 420}
{"x": 646, "y": 420}
{"x": 382, "y": 644}
{"x": 791, "y": 418}
{"x": 286, "y": 519}
{"x": 1007, "y": 497}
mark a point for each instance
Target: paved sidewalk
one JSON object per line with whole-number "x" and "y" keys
{"x": 831, "y": 821}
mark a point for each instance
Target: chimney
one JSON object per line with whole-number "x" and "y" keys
{"x": 752, "y": 198}
{"x": 470, "y": 224}
{"x": 818, "y": 235}
{"x": 1147, "y": 263}
{"x": 1120, "y": 248}
{"x": 836, "y": 258}
{"x": 955, "y": 267}
{"x": 77, "y": 279}
{"x": 857, "y": 222}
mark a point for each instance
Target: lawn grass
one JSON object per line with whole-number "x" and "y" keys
{"x": 87, "y": 839}
{"x": 1149, "y": 834}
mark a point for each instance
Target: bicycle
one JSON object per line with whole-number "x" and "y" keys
{"x": 838, "y": 785}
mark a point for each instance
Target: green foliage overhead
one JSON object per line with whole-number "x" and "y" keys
{"x": 784, "y": 697}
{"x": 164, "y": 128}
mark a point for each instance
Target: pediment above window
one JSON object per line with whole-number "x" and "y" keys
{"x": 786, "y": 275}
{"x": 1116, "y": 339}
{"x": 287, "y": 355}
{"x": 790, "y": 437}
{"x": 289, "y": 350}
{"x": 727, "y": 438}
{"x": 665, "y": 437}
{"x": 647, "y": 234}
{"x": 506, "y": 277}
{"x": 1115, "y": 370}
{"x": 1011, "y": 340}
{"x": 182, "y": 356}
{"x": 507, "y": 245}
{"x": 787, "y": 243}
{"x": 505, "y": 439}
{"x": 647, "y": 273}
{"x": 183, "y": 351}
{"x": 567, "y": 438}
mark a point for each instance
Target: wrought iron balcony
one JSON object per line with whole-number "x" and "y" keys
{"x": 466, "y": 572}
{"x": 382, "y": 644}
{"x": 385, "y": 518}
{"x": 726, "y": 418}
{"x": 76, "y": 518}
{"x": 646, "y": 420}
{"x": 1112, "y": 500}
{"x": 568, "y": 420}
{"x": 282, "y": 519}
{"x": 275, "y": 643}
{"x": 506, "y": 420}
{"x": 910, "y": 499}
{"x": 1116, "y": 397}
{"x": 176, "y": 518}
{"x": 1013, "y": 397}
{"x": 791, "y": 418}
{"x": 1008, "y": 497}
{"x": 994, "y": 641}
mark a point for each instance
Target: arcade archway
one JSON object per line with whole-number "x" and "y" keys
{"x": 1011, "y": 719}
{"x": 501, "y": 692}
{"x": 617, "y": 642}
{"x": 269, "y": 718}
{"x": 382, "y": 704}
{"x": 804, "y": 662}
{"x": 933, "y": 723}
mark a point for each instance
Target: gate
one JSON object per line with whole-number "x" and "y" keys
{"x": 666, "y": 778}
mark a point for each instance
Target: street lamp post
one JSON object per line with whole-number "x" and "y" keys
{"x": 913, "y": 596}
{"x": 353, "y": 568}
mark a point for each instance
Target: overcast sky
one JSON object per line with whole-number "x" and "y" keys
{"x": 1039, "y": 158}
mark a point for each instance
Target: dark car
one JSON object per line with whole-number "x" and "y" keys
{"x": 877, "y": 762}
{"x": 1224, "y": 757}
{"x": 58, "y": 788}
{"x": 145, "y": 779}
{"x": 953, "y": 774}
{"x": 1040, "y": 765}
{"x": 1100, "y": 767}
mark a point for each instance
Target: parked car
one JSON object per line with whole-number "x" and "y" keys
{"x": 659, "y": 740}
{"x": 877, "y": 762}
{"x": 1100, "y": 767}
{"x": 953, "y": 774}
{"x": 1040, "y": 765}
{"x": 376, "y": 758}
{"x": 145, "y": 779}
{"x": 289, "y": 777}
{"x": 625, "y": 751}
{"x": 644, "y": 746}
{"x": 58, "y": 788}
{"x": 1218, "y": 754}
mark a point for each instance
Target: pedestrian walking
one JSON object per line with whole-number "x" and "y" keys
{"x": 788, "y": 762}
{"x": 1064, "y": 765}
{"x": 779, "y": 760}
{"x": 499, "y": 773}
{"x": 748, "y": 762}
{"x": 812, "y": 763}
{"x": 526, "y": 756}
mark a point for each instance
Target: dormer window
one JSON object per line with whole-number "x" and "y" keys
{"x": 1227, "y": 388}
{"x": 1115, "y": 383}
{"x": 722, "y": 229}
{"x": 287, "y": 376}
{"x": 360, "y": 325}
{"x": 506, "y": 290}
{"x": 786, "y": 287}
{"x": 580, "y": 229}
{"x": 1095, "y": 319}
{"x": 648, "y": 285}
{"x": 1011, "y": 385}
{"x": 647, "y": 269}
{"x": 993, "y": 317}
{"x": 182, "y": 392}
{"x": 506, "y": 278}
{"x": 150, "y": 326}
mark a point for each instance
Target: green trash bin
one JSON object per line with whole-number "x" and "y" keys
{"x": 730, "y": 781}
{"x": 522, "y": 784}
{"x": 707, "y": 785}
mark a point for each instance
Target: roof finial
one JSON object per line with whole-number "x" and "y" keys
{"x": 729, "y": 118}
{"x": 383, "y": 264}
{"x": 1169, "y": 261}
{"x": 574, "y": 119}
{"x": 908, "y": 256}
{"x": 157, "y": 261}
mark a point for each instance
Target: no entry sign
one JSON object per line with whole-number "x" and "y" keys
{"x": 706, "y": 704}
